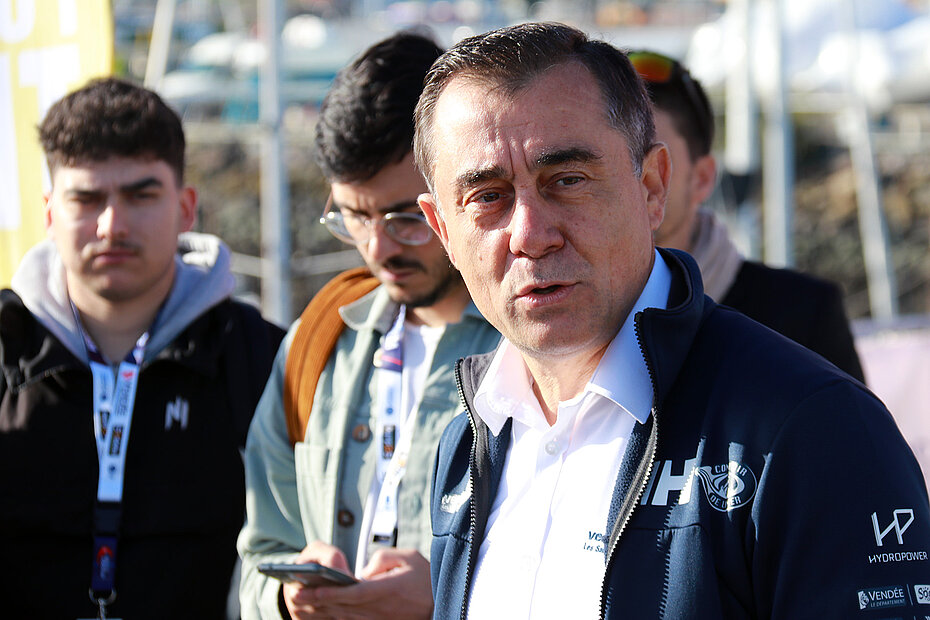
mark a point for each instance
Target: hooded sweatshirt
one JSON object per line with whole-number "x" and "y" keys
{"x": 203, "y": 372}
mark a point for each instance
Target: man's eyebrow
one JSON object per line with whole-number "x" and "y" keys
{"x": 141, "y": 184}
{"x": 567, "y": 155}
{"x": 470, "y": 178}
{"x": 128, "y": 188}
{"x": 397, "y": 206}
{"x": 84, "y": 192}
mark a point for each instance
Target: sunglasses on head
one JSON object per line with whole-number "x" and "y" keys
{"x": 657, "y": 68}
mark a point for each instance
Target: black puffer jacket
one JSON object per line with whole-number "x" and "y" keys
{"x": 183, "y": 498}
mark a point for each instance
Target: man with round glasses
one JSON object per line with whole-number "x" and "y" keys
{"x": 804, "y": 308}
{"x": 353, "y": 493}
{"x": 402, "y": 227}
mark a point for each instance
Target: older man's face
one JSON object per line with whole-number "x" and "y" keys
{"x": 541, "y": 211}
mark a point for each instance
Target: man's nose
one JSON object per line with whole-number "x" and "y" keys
{"x": 112, "y": 222}
{"x": 535, "y": 227}
{"x": 380, "y": 245}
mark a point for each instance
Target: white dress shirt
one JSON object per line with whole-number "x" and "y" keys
{"x": 543, "y": 553}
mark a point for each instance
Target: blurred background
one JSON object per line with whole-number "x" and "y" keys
{"x": 823, "y": 113}
{"x": 823, "y": 116}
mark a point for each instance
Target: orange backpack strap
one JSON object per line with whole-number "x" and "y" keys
{"x": 313, "y": 343}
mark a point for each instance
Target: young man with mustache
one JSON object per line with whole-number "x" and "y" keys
{"x": 121, "y": 322}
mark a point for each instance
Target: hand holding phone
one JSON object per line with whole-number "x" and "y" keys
{"x": 311, "y": 575}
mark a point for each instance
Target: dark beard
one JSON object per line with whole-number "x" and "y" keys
{"x": 453, "y": 278}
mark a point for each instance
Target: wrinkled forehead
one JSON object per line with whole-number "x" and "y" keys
{"x": 473, "y": 117}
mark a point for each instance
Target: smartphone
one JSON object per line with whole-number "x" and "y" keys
{"x": 312, "y": 574}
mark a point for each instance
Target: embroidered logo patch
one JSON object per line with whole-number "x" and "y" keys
{"x": 729, "y": 486}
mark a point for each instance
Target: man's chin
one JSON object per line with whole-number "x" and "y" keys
{"x": 116, "y": 290}
{"x": 412, "y": 298}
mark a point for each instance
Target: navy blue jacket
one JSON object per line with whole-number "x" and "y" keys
{"x": 765, "y": 484}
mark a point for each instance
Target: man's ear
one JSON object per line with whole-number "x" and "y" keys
{"x": 188, "y": 205}
{"x": 703, "y": 178}
{"x": 430, "y": 208}
{"x": 657, "y": 171}
{"x": 46, "y": 196}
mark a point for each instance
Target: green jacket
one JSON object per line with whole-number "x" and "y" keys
{"x": 335, "y": 463}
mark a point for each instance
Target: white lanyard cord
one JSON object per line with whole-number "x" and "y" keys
{"x": 113, "y": 402}
{"x": 393, "y": 451}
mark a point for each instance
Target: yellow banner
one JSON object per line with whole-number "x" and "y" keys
{"x": 47, "y": 48}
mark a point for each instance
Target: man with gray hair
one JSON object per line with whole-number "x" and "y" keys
{"x": 632, "y": 449}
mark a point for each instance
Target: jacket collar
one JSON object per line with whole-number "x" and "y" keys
{"x": 666, "y": 336}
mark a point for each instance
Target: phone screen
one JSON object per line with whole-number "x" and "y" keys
{"x": 311, "y": 574}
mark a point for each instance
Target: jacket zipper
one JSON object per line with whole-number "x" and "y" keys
{"x": 637, "y": 488}
{"x": 472, "y": 527}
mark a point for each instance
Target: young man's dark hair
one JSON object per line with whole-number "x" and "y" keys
{"x": 138, "y": 124}
{"x": 357, "y": 136}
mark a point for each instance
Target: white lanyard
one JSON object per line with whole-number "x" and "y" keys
{"x": 114, "y": 400}
{"x": 392, "y": 458}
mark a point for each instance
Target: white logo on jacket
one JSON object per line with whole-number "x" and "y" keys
{"x": 177, "y": 411}
{"x": 451, "y": 502}
{"x": 727, "y": 486}
{"x": 895, "y": 524}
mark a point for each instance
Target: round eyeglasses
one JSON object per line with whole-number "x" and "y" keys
{"x": 401, "y": 226}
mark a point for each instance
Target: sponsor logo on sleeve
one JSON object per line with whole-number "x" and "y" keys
{"x": 896, "y": 525}
{"x": 882, "y": 598}
{"x": 922, "y": 594}
{"x": 888, "y": 535}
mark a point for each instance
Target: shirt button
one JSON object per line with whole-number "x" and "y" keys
{"x": 552, "y": 448}
{"x": 345, "y": 518}
{"x": 361, "y": 433}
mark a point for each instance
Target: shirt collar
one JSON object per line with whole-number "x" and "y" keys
{"x": 621, "y": 375}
